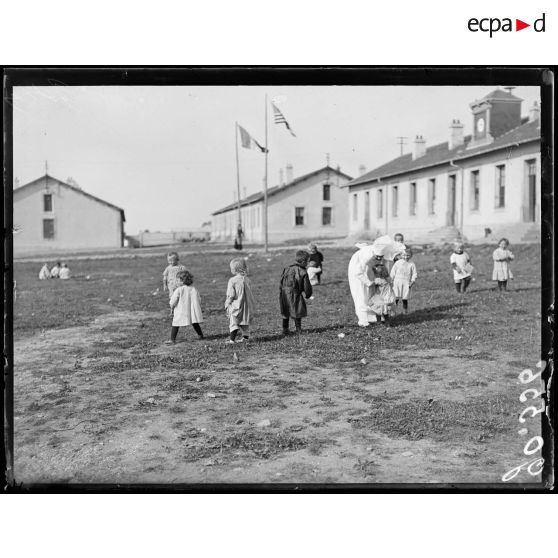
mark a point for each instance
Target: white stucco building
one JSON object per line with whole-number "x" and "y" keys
{"x": 51, "y": 215}
{"x": 484, "y": 185}
{"x": 311, "y": 206}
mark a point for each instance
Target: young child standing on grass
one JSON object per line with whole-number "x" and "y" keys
{"x": 239, "y": 303}
{"x": 383, "y": 298}
{"x": 185, "y": 306}
{"x": 462, "y": 268}
{"x": 315, "y": 265}
{"x": 170, "y": 282}
{"x": 404, "y": 274}
{"x": 294, "y": 283}
{"x": 502, "y": 272}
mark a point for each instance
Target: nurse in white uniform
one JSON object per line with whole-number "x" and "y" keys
{"x": 361, "y": 277}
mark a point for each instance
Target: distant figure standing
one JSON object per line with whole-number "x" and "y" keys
{"x": 404, "y": 275}
{"x": 238, "y": 238}
{"x": 315, "y": 265}
{"x": 185, "y": 306}
{"x": 170, "y": 281}
{"x": 55, "y": 271}
{"x": 44, "y": 273}
{"x": 64, "y": 272}
{"x": 502, "y": 272}
{"x": 462, "y": 268}
{"x": 294, "y": 284}
{"x": 239, "y": 303}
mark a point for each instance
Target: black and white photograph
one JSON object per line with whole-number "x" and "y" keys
{"x": 276, "y": 284}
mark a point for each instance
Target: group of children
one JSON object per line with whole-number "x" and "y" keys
{"x": 58, "y": 271}
{"x": 463, "y": 269}
{"x": 392, "y": 284}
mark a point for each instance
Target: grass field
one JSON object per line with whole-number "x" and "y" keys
{"x": 432, "y": 398}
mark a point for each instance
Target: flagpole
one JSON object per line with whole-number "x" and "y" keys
{"x": 237, "y": 174}
{"x": 265, "y": 183}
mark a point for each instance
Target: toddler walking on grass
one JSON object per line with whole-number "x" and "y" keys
{"x": 294, "y": 283}
{"x": 383, "y": 298}
{"x": 404, "y": 275}
{"x": 185, "y": 306}
{"x": 239, "y": 303}
{"x": 502, "y": 272}
{"x": 315, "y": 265}
{"x": 462, "y": 268}
{"x": 170, "y": 281}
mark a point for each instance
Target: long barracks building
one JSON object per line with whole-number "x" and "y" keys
{"x": 483, "y": 185}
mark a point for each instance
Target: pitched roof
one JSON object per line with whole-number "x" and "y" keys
{"x": 499, "y": 94}
{"x": 74, "y": 188}
{"x": 258, "y": 196}
{"x": 441, "y": 153}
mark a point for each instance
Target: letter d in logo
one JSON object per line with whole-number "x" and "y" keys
{"x": 539, "y": 24}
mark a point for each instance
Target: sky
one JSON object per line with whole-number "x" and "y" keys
{"x": 166, "y": 154}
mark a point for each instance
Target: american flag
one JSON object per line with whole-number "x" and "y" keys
{"x": 280, "y": 119}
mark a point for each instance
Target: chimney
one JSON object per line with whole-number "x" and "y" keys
{"x": 361, "y": 170}
{"x": 281, "y": 178}
{"x": 420, "y": 147}
{"x": 456, "y": 134}
{"x": 535, "y": 112}
{"x": 289, "y": 173}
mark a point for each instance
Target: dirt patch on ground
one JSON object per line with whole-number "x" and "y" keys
{"x": 93, "y": 406}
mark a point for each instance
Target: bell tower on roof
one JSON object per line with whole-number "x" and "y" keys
{"x": 494, "y": 115}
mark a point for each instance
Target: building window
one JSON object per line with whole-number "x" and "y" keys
{"x": 501, "y": 186}
{"x": 47, "y": 202}
{"x": 48, "y": 229}
{"x": 475, "y": 190}
{"x": 355, "y": 207}
{"x": 380, "y": 198}
{"x": 431, "y": 195}
{"x": 299, "y": 216}
{"x": 326, "y": 216}
{"x": 413, "y": 199}
{"x": 327, "y": 192}
{"x": 394, "y": 201}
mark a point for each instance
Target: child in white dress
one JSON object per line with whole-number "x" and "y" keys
{"x": 185, "y": 306}
{"x": 502, "y": 272}
{"x": 170, "y": 281}
{"x": 404, "y": 274}
{"x": 44, "y": 273}
{"x": 381, "y": 302}
{"x": 462, "y": 268}
{"x": 239, "y": 303}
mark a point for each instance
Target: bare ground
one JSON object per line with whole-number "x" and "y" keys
{"x": 413, "y": 415}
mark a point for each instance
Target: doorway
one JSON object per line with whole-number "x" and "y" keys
{"x": 531, "y": 190}
{"x": 367, "y": 211}
{"x": 452, "y": 187}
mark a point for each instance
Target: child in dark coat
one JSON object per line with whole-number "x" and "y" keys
{"x": 294, "y": 283}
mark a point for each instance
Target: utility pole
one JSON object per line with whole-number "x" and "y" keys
{"x": 401, "y": 143}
